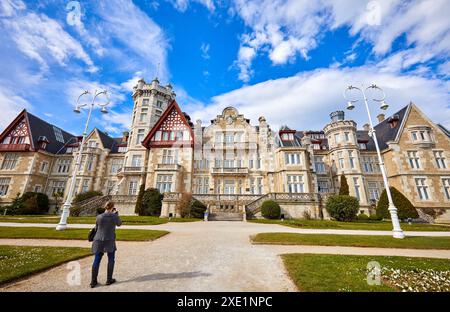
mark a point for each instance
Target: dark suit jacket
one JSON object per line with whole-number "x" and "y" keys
{"x": 105, "y": 238}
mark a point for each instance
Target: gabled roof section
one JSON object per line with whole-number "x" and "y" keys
{"x": 173, "y": 106}
{"x": 37, "y": 127}
{"x": 386, "y": 133}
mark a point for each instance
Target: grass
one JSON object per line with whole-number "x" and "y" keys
{"x": 127, "y": 220}
{"x": 356, "y": 225}
{"x": 413, "y": 242}
{"x": 330, "y": 273}
{"x": 20, "y": 261}
{"x": 78, "y": 234}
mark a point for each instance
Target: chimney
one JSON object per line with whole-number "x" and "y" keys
{"x": 366, "y": 127}
{"x": 380, "y": 117}
{"x": 125, "y": 136}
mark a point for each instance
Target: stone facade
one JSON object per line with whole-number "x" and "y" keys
{"x": 231, "y": 165}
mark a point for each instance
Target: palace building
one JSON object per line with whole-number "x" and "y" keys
{"x": 231, "y": 164}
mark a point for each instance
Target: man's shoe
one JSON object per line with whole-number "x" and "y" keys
{"x": 112, "y": 281}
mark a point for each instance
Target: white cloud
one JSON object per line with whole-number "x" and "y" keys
{"x": 141, "y": 41}
{"x": 182, "y": 5}
{"x": 204, "y": 48}
{"x": 305, "y": 100}
{"x": 285, "y": 29}
{"x": 41, "y": 38}
{"x": 11, "y": 105}
{"x": 8, "y": 8}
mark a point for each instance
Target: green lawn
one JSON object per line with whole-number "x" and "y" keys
{"x": 19, "y": 261}
{"x": 357, "y": 225}
{"x": 419, "y": 242}
{"x": 313, "y": 272}
{"x": 80, "y": 234}
{"x": 127, "y": 220}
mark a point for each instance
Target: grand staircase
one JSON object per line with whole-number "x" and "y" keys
{"x": 89, "y": 206}
{"x": 225, "y": 216}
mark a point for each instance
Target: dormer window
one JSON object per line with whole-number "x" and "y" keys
{"x": 421, "y": 135}
{"x": 362, "y": 146}
{"x": 287, "y": 137}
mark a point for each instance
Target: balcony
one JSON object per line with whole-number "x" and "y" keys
{"x": 167, "y": 167}
{"x": 14, "y": 147}
{"x": 230, "y": 171}
{"x": 130, "y": 170}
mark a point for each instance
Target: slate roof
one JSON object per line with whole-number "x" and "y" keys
{"x": 385, "y": 132}
{"x": 446, "y": 131}
{"x": 39, "y": 127}
{"x": 109, "y": 142}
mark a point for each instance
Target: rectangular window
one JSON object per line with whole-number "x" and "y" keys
{"x": 4, "y": 185}
{"x": 169, "y": 157}
{"x": 164, "y": 183}
{"x": 292, "y": 159}
{"x": 38, "y": 188}
{"x": 228, "y": 163}
{"x": 352, "y": 159}
{"x": 414, "y": 160}
{"x": 145, "y": 102}
{"x": 229, "y": 138}
{"x": 357, "y": 188}
{"x": 229, "y": 187}
{"x": 341, "y": 160}
{"x": 446, "y": 184}
{"x": 323, "y": 186}
{"x": 143, "y": 116}
{"x": 440, "y": 159}
{"x": 63, "y": 165}
{"x": 422, "y": 188}
{"x": 374, "y": 192}
{"x": 110, "y": 187}
{"x": 159, "y": 104}
{"x": 85, "y": 186}
{"x": 347, "y": 136}
{"x": 295, "y": 184}
{"x": 58, "y": 187}
{"x": 132, "y": 188}
{"x": 58, "y": 134}
{"x": 10, "y": 161}
{"x": 218, "y": 137}
{"x": 320, "y": 164}
{"x": 136, "y": 161}
{"x": 116, "y": 165}
{"x": 90, "y": 163}
{"x": 44, "y": 167}
{"x": 337, "y": 138}
{"x": 140, "y": 136}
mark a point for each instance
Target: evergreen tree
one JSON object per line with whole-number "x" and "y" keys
{"x": 344, "y": 190}
{"x": 405, "y": 209}
{"x": 138, "y": 208}
{"x": 151, "y": 202}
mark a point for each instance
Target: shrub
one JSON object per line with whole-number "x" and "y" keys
{"x": 86, "y": 195}
{"x": 197, "y": 209}
{"x": 100, "y": 210}
{"x": 405, "y": 209}
{"x": 270, "y": 210}
{"x": 151, "y": 203}
{"x": 342, "y": 207}
{"x": 363, "y": 217}
{"x": 75, "y": 211}
{"x": 138, "y": 207}
{"x": 344, "y": 190}
{"x": 375, "y": 218}
{"x": 31, "y": 203}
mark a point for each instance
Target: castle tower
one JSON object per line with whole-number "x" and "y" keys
{"x": 150, "y": 101}
{"x": 345, "y": 155}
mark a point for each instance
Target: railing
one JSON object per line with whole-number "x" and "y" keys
{"x": 89, "y": 208}
{"x": 129, "y": 169}
{"x": 15, "y": 147}
{"x": 168, "y": 167}
{"x": 234, "y": 170}
{"x": 255, "y": 206}
{"x": 225, "y": 197}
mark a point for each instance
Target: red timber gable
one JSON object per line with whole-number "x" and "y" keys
{"x": 17, "y": 136}
{"x": 171, "y": 130}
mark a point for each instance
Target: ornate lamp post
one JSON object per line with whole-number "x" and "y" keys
{"x": 396, "y": 231}
{"x": 66, "y": 207}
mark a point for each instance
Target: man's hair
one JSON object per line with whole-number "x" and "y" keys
{"x": 109, "y": 205}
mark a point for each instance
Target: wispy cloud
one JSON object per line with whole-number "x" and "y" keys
{"x": 204, "y": 48}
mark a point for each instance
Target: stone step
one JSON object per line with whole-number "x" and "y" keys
{"x": 225, "y": 216}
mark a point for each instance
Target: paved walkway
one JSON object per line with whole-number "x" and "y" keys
{"x": 197, "y": 256}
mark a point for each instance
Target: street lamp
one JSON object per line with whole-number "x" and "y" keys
{"x": 396, "y": 231}
{"x": 66, "y": 207}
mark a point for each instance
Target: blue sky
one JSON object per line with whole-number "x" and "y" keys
{"x": 287, "y": 60}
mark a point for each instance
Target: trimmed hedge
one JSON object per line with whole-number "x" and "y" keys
{"x": 30, "y": 203}
{"x": 270, "y": 210}
{"x": 343, "y": 207}
{"x": 151, "y": 203}
{"x": 198, "y": 209}
{"x": 405, "y": 209}
{"x": 363, "y": 217}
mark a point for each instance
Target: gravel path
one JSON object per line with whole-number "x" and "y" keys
{"x": 197, "y": 256}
